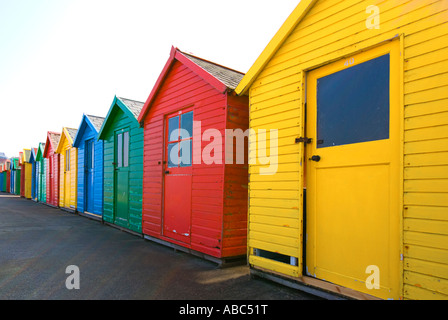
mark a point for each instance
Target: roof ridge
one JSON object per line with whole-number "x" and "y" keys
{"x": 211, "y": 62}
{"x": 130, "y": 99}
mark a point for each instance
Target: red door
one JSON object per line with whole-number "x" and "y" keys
{"x": 178, "y": 175}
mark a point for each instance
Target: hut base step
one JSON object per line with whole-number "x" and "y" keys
{"x": 123, "y": 229}
{"x": 91, "y": 216}
{"x": 221, "y": 262}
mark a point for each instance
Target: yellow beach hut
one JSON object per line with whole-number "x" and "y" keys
{"x": 68, "y": 170}
{"x": 350, "y": 101}
{"x": 27, "y": 170}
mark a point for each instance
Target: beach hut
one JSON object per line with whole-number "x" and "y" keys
{"x": 357, "y": 200}
{"x": 22, "y": 174}
{"x": 195, "y": 198}
{"x": 34, "y": 180}
{"x": 52, "y": 169}
{"x": 2, "y": 176}
{"x": 90, "y": 167}
{"x": 68, "y": 170}
{"x": 15, "y": 176}
{"x": 8, "y": 176}
{"x": 123, "y": 165}
{"x": 41, "y": 174}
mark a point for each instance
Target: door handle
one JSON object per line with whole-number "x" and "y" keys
{"x": 315, "y": 158}
{"x": 167, "y": 172}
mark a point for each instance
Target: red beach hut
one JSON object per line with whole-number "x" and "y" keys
{"x": 52, "y": 168}
{"x": 193, "y": 199}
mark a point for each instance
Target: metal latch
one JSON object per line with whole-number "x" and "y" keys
{"x": 304, "y": 140}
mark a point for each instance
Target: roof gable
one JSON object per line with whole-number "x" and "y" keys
{"x": 221, "y": 78}
{"x": 131, "y": 109}
{"x": 33, "y": 155}
{"x": 285, "y": 30}
{"x": 88, "y": 121}
{"x": 26, "y": 155}
{"x": 67, "y": 136}
{"x": 15, "y": 164}
{"x": 40, "y": 151}
{"x": 51, "y": 143}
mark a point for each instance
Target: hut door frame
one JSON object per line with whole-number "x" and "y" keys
{"x": 89, "y": 167}
{"x": 368, "y": 149}
{"x": 121, "y": 177}
{"x": 177, "y": 187}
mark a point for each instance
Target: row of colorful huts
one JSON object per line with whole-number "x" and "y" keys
{"x": 351, "y": 99}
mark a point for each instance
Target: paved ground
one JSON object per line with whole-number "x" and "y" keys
{"x": 37, "y": 243}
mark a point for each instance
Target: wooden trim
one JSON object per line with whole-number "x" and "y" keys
{"x": 225, "y": 262}
{"x": 293, "y": 20}
{"x": 318, "y": 284}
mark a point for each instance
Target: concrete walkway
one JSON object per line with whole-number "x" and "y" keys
{"x": 38, "y": 243}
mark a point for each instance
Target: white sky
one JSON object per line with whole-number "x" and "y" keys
{"x": 62, "y": 58}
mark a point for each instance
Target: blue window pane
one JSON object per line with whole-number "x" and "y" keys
{"x": 173, "y": 155}
{"x": 353, "y": 104}
{"x": 173, "y": 129}
{"x": 185, "y": 153}
{"x": 187, "y": 124}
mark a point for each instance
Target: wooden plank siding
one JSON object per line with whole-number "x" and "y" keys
{"x": 186, "y": 89}
{"x": 85, "y": 133}
{"x": 332, "y": 30}
{"x": 65, "y": 144}
{"x": 52, "y": 169}
{"x": 236, "y": 182}
{"x": 218, "y": 191}
{"x": 119, "y": 120}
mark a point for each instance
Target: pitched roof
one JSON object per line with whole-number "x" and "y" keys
{"x": 40, "y": 151}
{"x": 231, "y": 78}
{"x": 131, "y": 108}
{"x": 221, "y": 78}
{"x": 88, "y": 121}
{"x": 72, "y": 133}
{"x": 134, "y": 106}
{"x": 290, "y": 24}
{"x": 54, "y": 138}
{"x": 53, "y": 142}
{"x": 96, "y": 121}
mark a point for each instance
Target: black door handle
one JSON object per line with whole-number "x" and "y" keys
{"x": 315, "y": 158}
{"x": 167, "y": 172}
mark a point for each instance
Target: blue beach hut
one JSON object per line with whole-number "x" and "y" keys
{"x": 90, "y": 167}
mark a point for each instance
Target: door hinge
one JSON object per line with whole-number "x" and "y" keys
{"x": 304, "y": 140}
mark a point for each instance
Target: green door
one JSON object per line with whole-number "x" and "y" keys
{"x": 121, "y": 179}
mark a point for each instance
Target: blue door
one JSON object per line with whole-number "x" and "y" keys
{"x": 89, "y": 167}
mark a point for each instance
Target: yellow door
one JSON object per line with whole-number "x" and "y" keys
{"x": 67, "y": 180}
{"x": 28, "y": 178}
{"x": 352, "y": 177}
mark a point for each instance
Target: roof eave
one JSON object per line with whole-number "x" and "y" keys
{"x": 120, "y": 104}
{"x": 178, "y": 55}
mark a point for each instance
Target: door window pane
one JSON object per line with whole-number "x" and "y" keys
{"x": 119, "y": 150}
{"x": 67, "y": 160}
{"x": 187, "y": 124}
{"x": 353, "y": 104}
{"x": 185, "y": 153}
{"x": 173, "y": 129}
{"x": 126, "y": 149}
{"x": 173, "y": 155}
